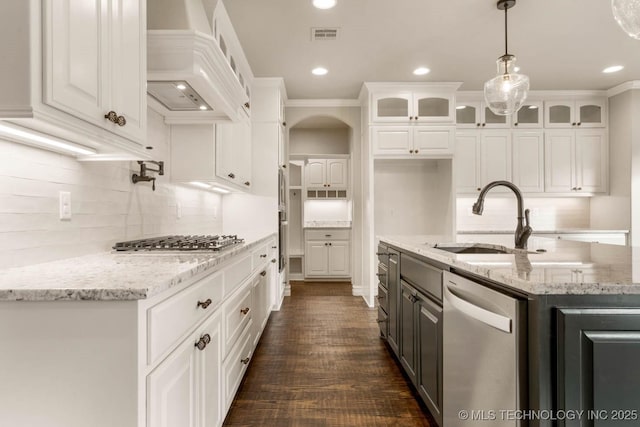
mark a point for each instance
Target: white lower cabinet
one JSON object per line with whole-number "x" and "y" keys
{"x": 183, "y": 391}
{"x": 327, "y": 253}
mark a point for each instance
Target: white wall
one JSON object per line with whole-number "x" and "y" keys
{"x": 319, "y": 141}
{"x": 614, "y": 210}
{"x": 106, "y": 207}
{"x": 546, "y": 213}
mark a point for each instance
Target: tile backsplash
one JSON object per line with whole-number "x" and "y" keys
{"x": 106, "y": 207}
{"x": 546, "y": 213}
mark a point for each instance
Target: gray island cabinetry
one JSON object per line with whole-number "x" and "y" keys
{"x": 563, "y": 346}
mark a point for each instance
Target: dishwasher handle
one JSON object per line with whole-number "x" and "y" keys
{"x": 487, "y": 317}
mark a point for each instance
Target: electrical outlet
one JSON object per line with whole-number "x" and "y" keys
{"x": 65, "y": 205}
{"x": 178, "y": 210}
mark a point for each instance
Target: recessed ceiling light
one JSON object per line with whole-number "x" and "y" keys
{"x": 613, "y": 69}
{"x": 319, "y": 71}
{"x": 421, "y": 71}
{"x": 203, "y": 107}
{"x": 324, "y": 4}
{"x": 181, "y": 86}
{"x": 533, "y": 107}
{"x": 461, "y": 107}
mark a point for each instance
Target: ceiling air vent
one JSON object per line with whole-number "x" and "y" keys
{"x": 324, "y": 34}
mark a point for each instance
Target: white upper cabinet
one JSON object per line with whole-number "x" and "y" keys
{"x": 327, "y": 173}
{"x": 76, "y": 70}
{"x": 529, "y": 115}
{"x": 476, "y": 114}
{"x": 412, "y": 141}
{"x": 576, "y": 161}
{"x": 527, "y": 147}
{"x": 412, "y": 107}
{"x": 482, "y": 157}
{"x": 577, "y": 113}
{"x": 233, "y": 151}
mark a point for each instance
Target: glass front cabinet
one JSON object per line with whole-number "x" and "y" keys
{"x": 587, "y": 113}
{"x": 411, "y": 107}
{"x": 475, "y": 114}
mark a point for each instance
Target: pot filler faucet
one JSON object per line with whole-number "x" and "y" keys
{"x": 523, "y": 230}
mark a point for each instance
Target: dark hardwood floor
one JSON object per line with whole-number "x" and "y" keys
{"x": 320, "y": 362}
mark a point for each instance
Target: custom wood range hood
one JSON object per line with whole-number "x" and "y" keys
{"x": 196, "y": 70}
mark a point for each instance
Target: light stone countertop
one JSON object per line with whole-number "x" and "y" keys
{"x": 558, "y": 231}
{"x": 113, "y": 276}
{"x": 327, "y": 224}
{"x": 566, "y": 268}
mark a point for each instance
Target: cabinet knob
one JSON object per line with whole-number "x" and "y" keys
{"x": 410, "y": 117}
{"x": 478, "y": 124}
{"x": 263, "y": 255}
{"x": 515, "y": 124}
{"x": 411, "y": 151}
{"x": 274, "y": 247}
{"x": 263, "y": 273}
{"x": 573, "y": 124}
{"x": 273, "y": 260}
{"x": 203, "y": 341}
{"x": 247, "y": 183}
{"x": 574, "y": 188}
{"x": 484, "y": 124}
{"x": 579, "y": 188}
{"x": 478, "y": 188}
{"x": 245, "y": 360}
{"x": 232, "y": 175}
{"x": 204, "y": 304}
{"x": 284, "y": 124}
{"x": 415, "y": 118}
{"x": 244, "y": 310}
{"x": 329, "y": 243}
{"x": 247, "y": 105}
{"x": 416, "y": 151}
{"x": 579, "y": 123}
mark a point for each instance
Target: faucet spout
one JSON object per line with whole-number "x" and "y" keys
{"x": 523, "y": 228}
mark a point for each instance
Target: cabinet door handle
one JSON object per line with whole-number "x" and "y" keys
{"x": 247, "y": 183}
{"x": 245, "y": 361}
{"x": 204, "y": 304}
{"x": 232, "y": 175}
{"x": 382, "y": 254}
{"x": 579, "y": 188}
{"x": 382, "y": 321}
{"x": 245, "y": 310}
{"x": 327, "y": 235}
{"x": 274, "y": 247}
{"x": 203, "y": 341}
{"x": 273, "y": 260}
{"x": 263, "y": 273}
{"x": 263, "y": 255}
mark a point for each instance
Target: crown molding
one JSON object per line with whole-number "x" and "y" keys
{"x": 616, "y": 90}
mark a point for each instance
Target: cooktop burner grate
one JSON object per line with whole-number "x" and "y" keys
{"x": 179, "y": 243}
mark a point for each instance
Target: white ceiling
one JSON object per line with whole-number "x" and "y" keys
{"x": 560, "y": 44}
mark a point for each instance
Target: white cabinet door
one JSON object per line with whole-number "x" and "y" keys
{"x": 242, "y": 152}
{"x": 225, "y": 152}
{"x": 529, "y": 115}
{"x": 433, "y": 107}
{"x": 171, "y": 390}
{"x": 315, "y": 172}
{"x": 394, "y": 140}
{"x": 591, "y": 113}
{"x": 433, "y": 140}
{"x": 559, "y": 114}
{"x": 467, "y": 164}
{"x": 316, "y": 258}
{"x": 592, "y": 160}
{"x": 528, "y": 160}
{"x": 95, "y": 62}
{"x": 336, "y": 173}
{"x": 391, "y": 107}
{"x": 128, "y": 67}
{"x": 74, "y": 64}
{"x": 209, "y": 362}
{"x": 559, "y": 163}
{"x": 495, "y": 156}
{"x": 339, "y": 258}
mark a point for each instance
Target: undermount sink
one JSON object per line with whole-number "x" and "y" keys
{"x": 479, "y": 249}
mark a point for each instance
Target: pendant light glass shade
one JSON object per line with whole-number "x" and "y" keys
{"x": 505, "y": 93}
{"x": 627, "y": 15}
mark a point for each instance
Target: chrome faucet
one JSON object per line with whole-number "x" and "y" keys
{"x": 523, "y": 229}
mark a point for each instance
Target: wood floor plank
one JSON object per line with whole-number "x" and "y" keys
{"x": 320, "y": 362}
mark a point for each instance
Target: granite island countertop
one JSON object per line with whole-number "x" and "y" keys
{"x": 564, "y": 268}
{"x": 113, "y": 276}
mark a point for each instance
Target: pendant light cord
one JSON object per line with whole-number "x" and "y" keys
{"x": 506, "y": 33}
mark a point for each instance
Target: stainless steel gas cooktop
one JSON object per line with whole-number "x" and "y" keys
{"x": 179, "y": 243}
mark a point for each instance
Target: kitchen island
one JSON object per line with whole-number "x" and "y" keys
{"x": 573, "y": 328}
{"x": 138, "y": 339}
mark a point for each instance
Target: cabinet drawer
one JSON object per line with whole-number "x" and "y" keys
{"x": 383, "y": 322}
{"x": 235, "y": 274}
{"x": 235, "y": 366}
{"x": 423, "y": 276}
{"x": 383, "y": 259}
{"x": 170, "y": 319}
{"x": 238, "y": 312}
{"x": 328, "y": 234}
{"x": 260, "y": 255}
{"x": 382, "y": 275}
{"x": 383, "y": 298}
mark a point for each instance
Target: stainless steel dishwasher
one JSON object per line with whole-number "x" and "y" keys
{"x": 484, "y": 355}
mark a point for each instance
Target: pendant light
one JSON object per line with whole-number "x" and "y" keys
{"x": 505, "y": 93}
{"x": 627, "y": 15}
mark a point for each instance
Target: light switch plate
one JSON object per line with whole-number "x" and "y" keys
{"x": 65, "y": 205}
